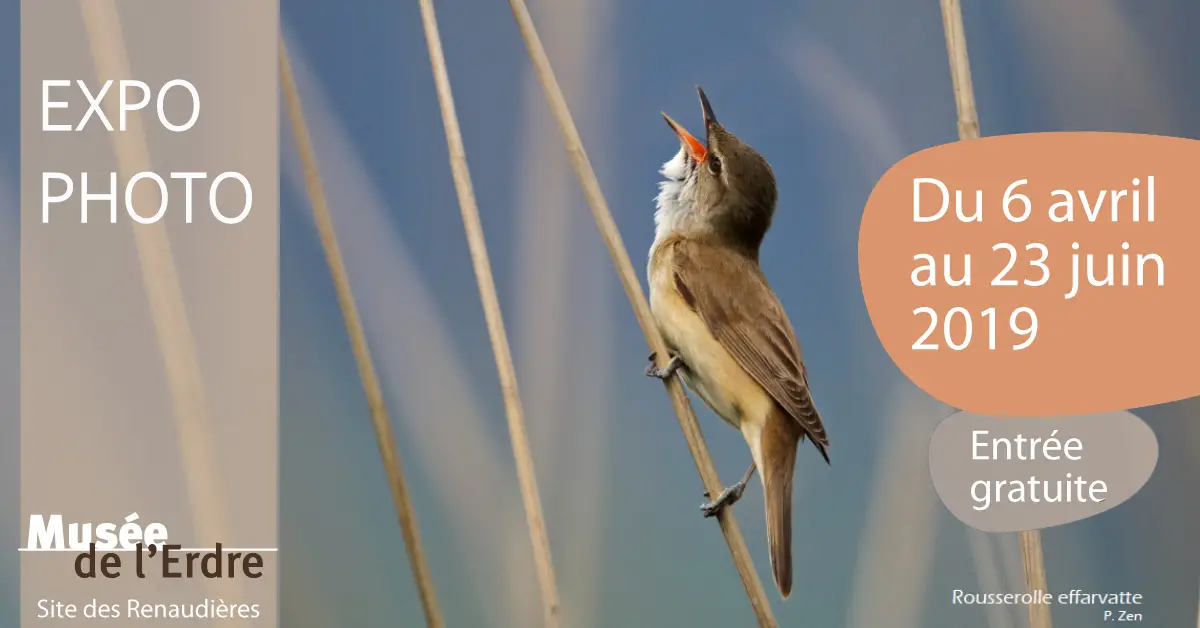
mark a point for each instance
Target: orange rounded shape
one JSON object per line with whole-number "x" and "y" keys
{"x": 1040, "y": 274}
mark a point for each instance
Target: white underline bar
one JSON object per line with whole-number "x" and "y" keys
{"x": 122, "y": 549}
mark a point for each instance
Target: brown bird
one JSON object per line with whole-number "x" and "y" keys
{"x": 728, "y": 334}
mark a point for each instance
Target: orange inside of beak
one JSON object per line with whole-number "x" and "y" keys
{"x": 694, "y": 147}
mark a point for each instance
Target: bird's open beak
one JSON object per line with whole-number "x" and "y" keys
{"x": 692, "y": 145}
{"x": 709, "y": 117}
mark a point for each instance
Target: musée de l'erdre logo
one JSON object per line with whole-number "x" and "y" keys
{"x": 100, "y": 546}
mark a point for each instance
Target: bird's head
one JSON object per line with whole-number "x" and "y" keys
{"x": 721, "y": 187}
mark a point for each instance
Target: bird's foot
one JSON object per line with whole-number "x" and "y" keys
{"x": 728, "y": 497}
{"x": 666, "y": 371}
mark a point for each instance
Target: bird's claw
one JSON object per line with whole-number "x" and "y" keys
{"x": 728, "y": 497}
{"x": 666, "y": 371}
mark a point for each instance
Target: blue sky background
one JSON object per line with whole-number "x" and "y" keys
{"x": 832, "y": 93}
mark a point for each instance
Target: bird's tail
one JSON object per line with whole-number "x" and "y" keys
{"x": 781, "y": 436}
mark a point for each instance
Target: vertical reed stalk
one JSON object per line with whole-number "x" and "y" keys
{"x": 968, "y": 129}
{"x": 633, "y": 289}
{"x": 960, "y": 70}
{"x": 358, "y": 343}
{"x": 495, "y": 323}
{"x": 164, "y": 295}
{"x": 1035, "y": 576}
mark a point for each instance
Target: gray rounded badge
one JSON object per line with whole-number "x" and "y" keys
{"x": 1010, "y": 475}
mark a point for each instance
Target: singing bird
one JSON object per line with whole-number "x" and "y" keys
{"x": 727, "y": 332}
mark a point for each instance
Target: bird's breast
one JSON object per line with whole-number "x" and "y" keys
{"x": 710, "y": 370}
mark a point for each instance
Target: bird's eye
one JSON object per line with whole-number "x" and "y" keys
{"x": 714, "y": 164}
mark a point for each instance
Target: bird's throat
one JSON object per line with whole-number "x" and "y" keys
{"x": 675, "y": 210}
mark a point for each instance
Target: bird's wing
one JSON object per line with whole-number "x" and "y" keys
{"x": 732, "y": 297}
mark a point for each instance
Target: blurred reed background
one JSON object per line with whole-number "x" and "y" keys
{"x": 832, "y": 93}
{"x": 10, "y": 259}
